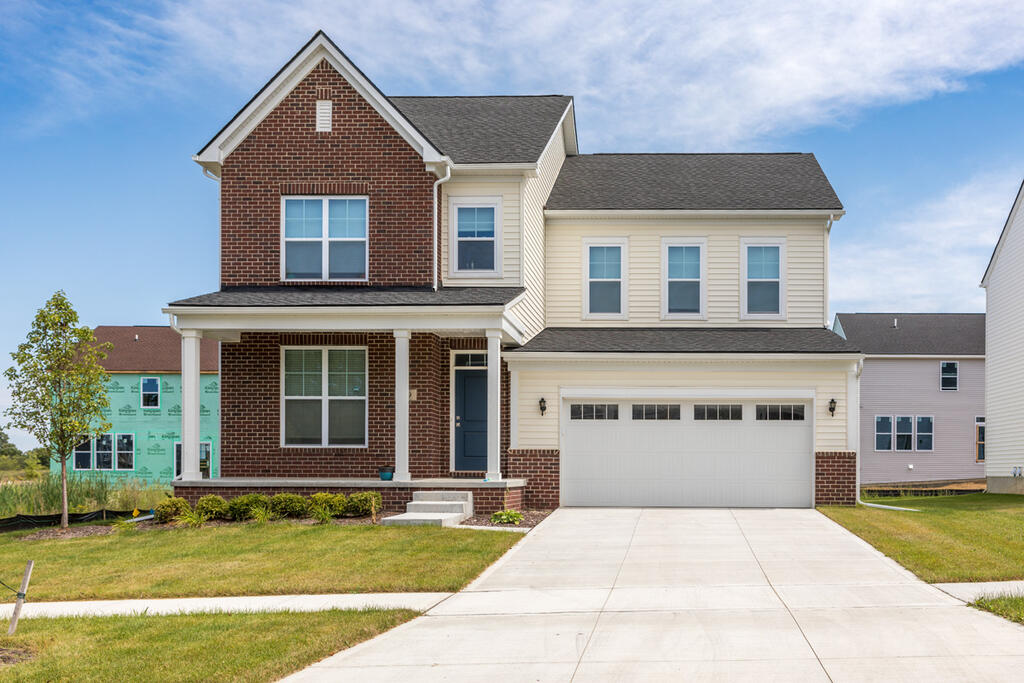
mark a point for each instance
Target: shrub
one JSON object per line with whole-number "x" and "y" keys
{"x": 240, "y": 508}
{"x": 191, "y": 518}
{"x": 321, "y": 512}
{"x": 212, "y": 507}
{"x": 335, "y": 503}
{"x": 507, "y": 517}
{"x": 261, "y": 514}
{"x": 363, "y": 503}
{"x": 289, "y": 505}
{"x": 170, "y": 509}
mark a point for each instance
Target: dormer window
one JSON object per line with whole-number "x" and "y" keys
{"x": 475, "y": 237}
{"x": 324, "y": 238}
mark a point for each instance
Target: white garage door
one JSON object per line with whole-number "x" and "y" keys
{"x": 687, "y": 453}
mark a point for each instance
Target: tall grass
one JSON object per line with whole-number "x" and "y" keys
{"x": 42, "y": 496}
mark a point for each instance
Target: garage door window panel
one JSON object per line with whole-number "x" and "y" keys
{"x": 715, "y": 412}
{"x": 656, "y": 411}
{"x": 594, "y": 411}
{"x": 780, "y": 412}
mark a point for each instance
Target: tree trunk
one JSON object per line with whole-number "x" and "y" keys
{"x": 64, "y": 493}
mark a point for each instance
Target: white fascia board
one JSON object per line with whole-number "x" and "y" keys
{"x": 675, "y": 214}
{"x": 517, "y": 169}
{"x": 319, "y": 48}
{"x": 687, "y": 392}
{"x": 568, "y": 124}
{"x": 1002, "y": 236}
{"x": 571, "y": 357}
{"x": 925, "y": 356}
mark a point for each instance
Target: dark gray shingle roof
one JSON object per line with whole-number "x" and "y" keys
{"x": 916, "y": 333}
{"x": 354, "y": 296}
{"x": 688, "y": 340}
{"x": 474, "y": 130}
{"x": 692, "y": 182}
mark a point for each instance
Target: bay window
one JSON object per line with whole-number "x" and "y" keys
{"x": 324, "y": 397}
{"x": 324, "y": 238}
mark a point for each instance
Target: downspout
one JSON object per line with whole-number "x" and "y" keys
{"x": 437, "y": 183}
{"x": 860, "y": 369}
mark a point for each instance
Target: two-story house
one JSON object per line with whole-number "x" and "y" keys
{"x": 1004, "y": 367}
{"x": 922, "y": 395}
{"x": 445, "y": 285}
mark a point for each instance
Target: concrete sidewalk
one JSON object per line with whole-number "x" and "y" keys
{"x": 421, "y": 602}
{"x": 969, "y": 592}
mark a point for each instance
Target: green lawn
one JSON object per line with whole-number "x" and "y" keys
{"x": 974, "y": 537}
{"x": 1007, "y": 606}
{"x": 250, "y": 559}
{"x": 190, "y": 647}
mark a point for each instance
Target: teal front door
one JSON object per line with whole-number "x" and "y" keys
{"x": 471, "y": 420}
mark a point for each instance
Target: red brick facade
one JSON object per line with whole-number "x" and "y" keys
{"x": 540, "y": 468}
{"x": 835, "y": 478}
{"x": 362, "y": 154}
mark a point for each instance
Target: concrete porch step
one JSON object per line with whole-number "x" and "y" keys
{"x": 442, "y": 496}
{"x": 439, "y": 506}
{"x": 425, "y": 519}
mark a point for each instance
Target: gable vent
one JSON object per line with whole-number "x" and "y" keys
{"x": 323, "y": 116}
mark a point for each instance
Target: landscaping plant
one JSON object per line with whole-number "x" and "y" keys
{"x": 507, "y": 517}
{"x": 213, "y": 507}
{"x": 190, "y": 518}
{"x": 321, "y": 513}
{"x": 289, "y": 505}
{"x": 240, "y": 508}
{"x": 334, "y": 502}
{"x": 170, "y": 509}
{"x": 363, "y": 503}
{"x": 57, "y": 385}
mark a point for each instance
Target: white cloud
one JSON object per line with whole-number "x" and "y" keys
{"x": 696, "y": 75}
{"x": 931, "y": 261}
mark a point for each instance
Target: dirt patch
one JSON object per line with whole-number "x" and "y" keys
{"x": 531, "y": 518}
{"x": 13, "y": 655}
{"x": 53, "y": 533}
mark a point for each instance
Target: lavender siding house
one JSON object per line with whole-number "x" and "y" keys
{"x": 922, "y": 395}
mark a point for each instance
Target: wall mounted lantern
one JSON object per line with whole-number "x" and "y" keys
{"x": 543, "y": 406}
{"x": 832, "y": 406}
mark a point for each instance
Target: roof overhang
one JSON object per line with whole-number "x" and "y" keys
{"x": 677, "y": 214}
{"x": 226, "y": 323}
{"x": 319, "y": 47}
{"x": 574, "y": 357}
{"x": 1002, "y": 235}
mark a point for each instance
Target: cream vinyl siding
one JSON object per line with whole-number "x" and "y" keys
{"x": 530, "y": 310}
{"x": 511, "y": 234}
{"x": 1004, "y": 355}
{"x": 535, "y": 381}
{"x": 804, "y": 270}
{"x": 910, "y": 386}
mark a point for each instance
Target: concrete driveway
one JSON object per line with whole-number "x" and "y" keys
{"x": 686, "y": 594}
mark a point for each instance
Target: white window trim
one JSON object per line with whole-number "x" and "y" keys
{"x": 979, "y": 422}
{"x": 924, "y": 450}
{"x": 702, "y": 243}
{"x": 892, "y": 434}
{"x": 623, "y": 244}
{"x": 454, "y": 203}
{"x": 92, "y": 458}
{"x": 159, "y": 390}
{"x": 957, "y": 364}
{"x": 325, "y": 240}
{"x": 174, "y": 458}
{"x": 325, "y": 399}
{"x": 779, "y": 242}
{"x": 116, "y": 466}
{"x": 113, "y": 453}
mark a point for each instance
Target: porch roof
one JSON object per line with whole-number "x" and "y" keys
{"x": 288, "y": 295}
{"x": 686, "y": 340}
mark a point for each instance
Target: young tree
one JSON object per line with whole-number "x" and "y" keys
{"x": 58, "y": 387}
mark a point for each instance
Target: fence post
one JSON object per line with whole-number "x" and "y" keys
{"x": 21, "y": 597}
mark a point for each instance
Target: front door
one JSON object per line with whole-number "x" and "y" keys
{"x": 471, "y": 419}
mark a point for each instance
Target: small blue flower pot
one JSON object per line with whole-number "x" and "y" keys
{"x": 386, "y": 473}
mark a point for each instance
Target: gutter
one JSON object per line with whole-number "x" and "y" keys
{"x": 440, "y": 181}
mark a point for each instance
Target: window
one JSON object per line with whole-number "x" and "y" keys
{"x": 655, "y": 411}
{"x": 949, "y": 375}
{"x": 604, "y": 286}
{"x": 476, "y": 236}
{"x": 325, "y": 238}
{"x": 763, "y": 290}
{"x": 904, "y": 433}
{"x": 324, "y": 397}
{"x": 150, "y": 387}
{"x": 883, "y": 433}
{"x": 205, "y": 453}
{"x": 979, "y": 439}
{"x": 718, "y": 412}
{"x": 125, "y": 451}
{"x": 471, "y": 360}
{"x": 594, "y": 411}
{"x": 779, "y": 412}
{"x": 925, "y": 433}
{"x": 83, "y": 455}
{"x": 104, "y": 450}
{"x": 683, "y": 287}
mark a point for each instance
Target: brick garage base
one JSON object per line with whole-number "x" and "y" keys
{"x": 540, "y": 469}
{"x": 485, "y": 500}
{"x": 835, "y": 478}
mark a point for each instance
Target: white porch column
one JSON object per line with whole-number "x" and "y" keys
{"x": 402, "y": 405}
{"x": 190, "y": 405}
{"x": 494, "y": 404}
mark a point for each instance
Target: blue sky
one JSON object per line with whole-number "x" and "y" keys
{"x": 913, "y": 113}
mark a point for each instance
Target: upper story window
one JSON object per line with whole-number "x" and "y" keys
{"x": 605, "y": 283}
{"x": 150, "y": 387}
{"x": 324, "y": 238}
{"x": 324, "y": 397}
{"x": 763, "y": 289}
{"x": 979, "y": 439}
{"x": 476, "y": 237}
{"x": 949, "y": 375}
{"x": 684, "y": 283}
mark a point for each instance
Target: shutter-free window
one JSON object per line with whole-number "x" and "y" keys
{"x": 104, "y": 448}
{"x": 763, "y": 280}
{"x": 325, "y": 397}
{"x": 605, "y": 279}
{"x": 683, "y": 265}
{"x": 325, "y": 238}
{"x": 83, "y": 455}
{"x": 125, "y": 451}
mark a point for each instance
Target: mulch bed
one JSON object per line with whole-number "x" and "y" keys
{"x": 51, "y": 533}
{"x": 84, "y": 530}
{"x": 13, "y": 655}
{"x": 531, "y": 518}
